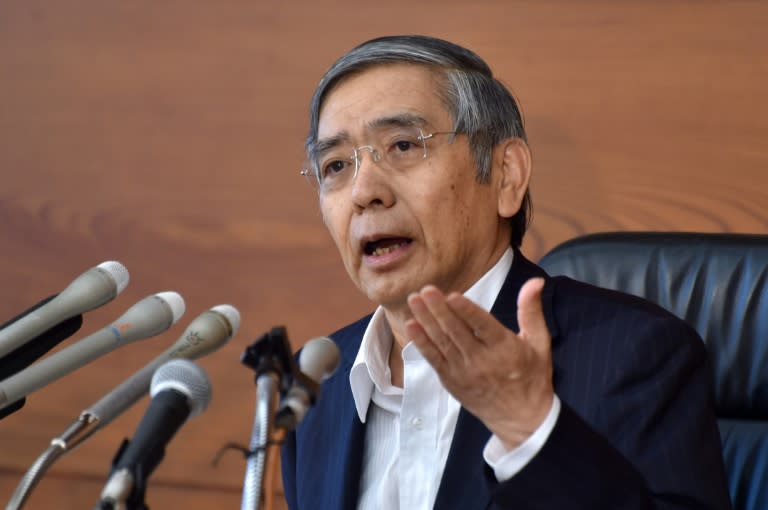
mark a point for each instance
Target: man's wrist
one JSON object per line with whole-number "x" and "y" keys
{"x": 507, "y": 462}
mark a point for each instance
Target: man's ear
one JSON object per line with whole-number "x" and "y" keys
{"x": 513, "y": 158}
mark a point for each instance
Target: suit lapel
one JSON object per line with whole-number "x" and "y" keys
{"x": 466, "y": 484}
{"x": 353, "y": 429}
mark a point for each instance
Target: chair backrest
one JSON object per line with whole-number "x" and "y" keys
{"x": 718, "y": 283}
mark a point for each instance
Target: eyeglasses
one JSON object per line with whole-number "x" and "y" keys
{"x": 394, "y": 149}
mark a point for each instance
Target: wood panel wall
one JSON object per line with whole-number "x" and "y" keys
{"x": 168, "y": 136}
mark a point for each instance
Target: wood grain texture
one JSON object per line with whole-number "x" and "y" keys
{"x": 168, "y": 135}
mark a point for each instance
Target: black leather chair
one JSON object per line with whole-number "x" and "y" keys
{"x": 718, "y": 283}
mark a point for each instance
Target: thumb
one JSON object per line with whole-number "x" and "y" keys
{"x": 530, "y": 315}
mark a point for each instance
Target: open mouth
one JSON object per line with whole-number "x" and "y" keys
{"x": 383, "y": 246}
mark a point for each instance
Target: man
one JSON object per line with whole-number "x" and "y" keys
{"x": 479, "y": 381}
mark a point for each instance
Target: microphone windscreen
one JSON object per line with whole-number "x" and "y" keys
{"x": 319, "y": 358}
{"x": 185, "y": 377}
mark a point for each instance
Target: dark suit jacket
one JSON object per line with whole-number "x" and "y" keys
{"x": 636, "y": 429}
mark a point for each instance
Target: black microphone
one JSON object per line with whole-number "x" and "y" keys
{"x": 95, "y": 287}
{"x": 179, "y": 389}
{"x": 318, "y": 360}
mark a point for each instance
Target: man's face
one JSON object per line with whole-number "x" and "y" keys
{"x": 398, "y": 231}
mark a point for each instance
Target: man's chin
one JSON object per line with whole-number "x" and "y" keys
{"x": 391, "y": 290}
{"x": 390, "y": 298}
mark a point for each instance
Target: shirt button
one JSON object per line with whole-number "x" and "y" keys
{"x": 417, "y": 423}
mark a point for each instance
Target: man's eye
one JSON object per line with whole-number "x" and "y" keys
{"x": 404, "y": 145}
{"x": 334, "y": 167}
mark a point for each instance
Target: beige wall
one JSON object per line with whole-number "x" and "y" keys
{"x": 168, "y": 135}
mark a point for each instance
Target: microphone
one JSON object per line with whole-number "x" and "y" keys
{"x": 206, "y": 333}
{"x": 318, "y": 360}
{"x": 147, "y": 318}
{"x": 95, "y": 287}
{"x": 179, "y": 389}
{"x": 28, "y": 353}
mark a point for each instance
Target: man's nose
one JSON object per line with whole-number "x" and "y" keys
{"x": 370, "y": 184}
{"x": 373, "y": 155}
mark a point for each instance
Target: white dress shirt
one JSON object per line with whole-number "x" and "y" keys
{"x": 409, "y": 429}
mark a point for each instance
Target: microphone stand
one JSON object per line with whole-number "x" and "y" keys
{"x": 75, "y": 434}
{"x": 271, "y": 357}
{"x": 126, "y": 488}
{"x": 120, "y": 493}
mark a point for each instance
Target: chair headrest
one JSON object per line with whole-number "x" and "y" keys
{"x": 718, "y": 283}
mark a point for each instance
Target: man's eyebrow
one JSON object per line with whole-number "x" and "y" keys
{"x": 398, "y": 120}
{"x": 326, "y": 144}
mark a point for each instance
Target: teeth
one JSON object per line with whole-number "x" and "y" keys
{"x": 383, "y": 250}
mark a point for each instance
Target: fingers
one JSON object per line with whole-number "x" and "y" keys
{"x": 530, "y": 314}
{"x": 424, "y": 343}
{"x": 438, "y": 322}
{"x": 481, "y": 324}
{"x": 454, "y": 324}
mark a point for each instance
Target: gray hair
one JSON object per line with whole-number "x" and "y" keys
{"x": 481, "y": 106}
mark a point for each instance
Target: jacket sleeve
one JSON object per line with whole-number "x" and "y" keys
{"x": 640, "y": 434}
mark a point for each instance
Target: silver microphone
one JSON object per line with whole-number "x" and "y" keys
{"x": 148, "y": 317}
{"x": 205, "y": 334}
{"x": 95, "y": 287}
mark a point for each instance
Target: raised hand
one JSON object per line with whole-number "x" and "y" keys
{"x": 502, "y": 377}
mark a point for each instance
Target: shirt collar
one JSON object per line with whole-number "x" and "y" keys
{"x": 371, "y": 366}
